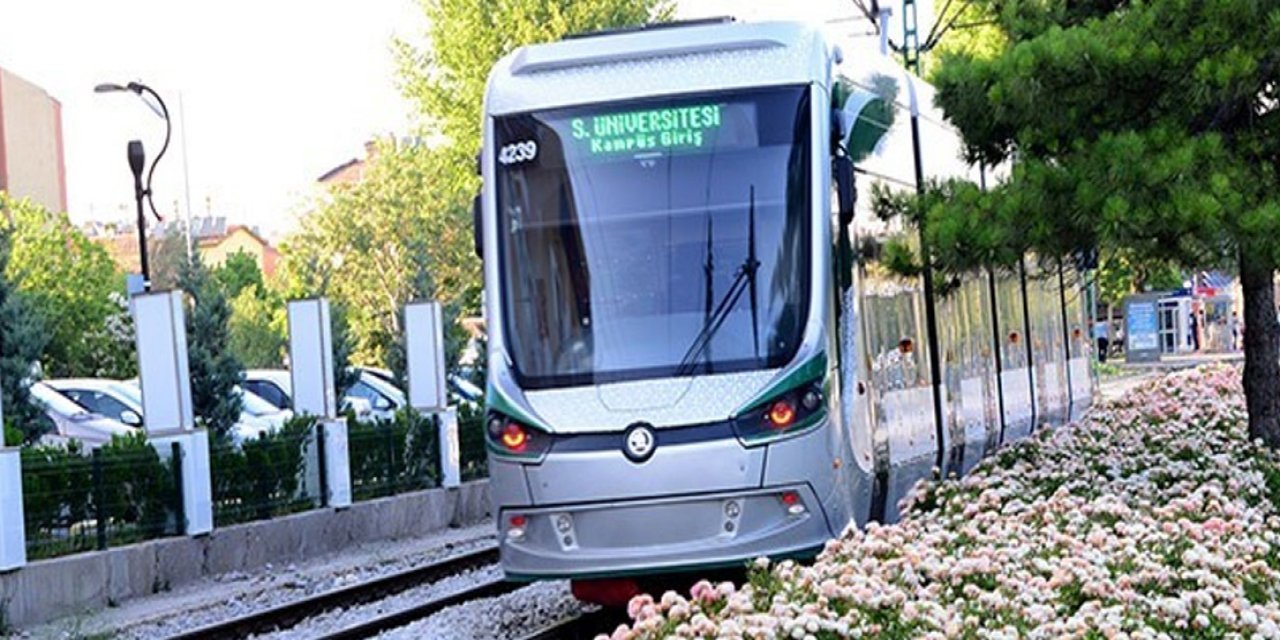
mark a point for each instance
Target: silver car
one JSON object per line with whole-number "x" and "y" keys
{"x": 72, "y": 421}
{"x": 122, "y": 400}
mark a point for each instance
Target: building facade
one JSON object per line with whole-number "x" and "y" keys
{"x": 32, "y": 164}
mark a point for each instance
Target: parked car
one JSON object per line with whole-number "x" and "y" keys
{"x": 122, "y": 401}
{"x": 459, "y": 387}
{"x": 72, "y": 421}
{"x": 276, "y": 387}
{"x": 383, "y": 395}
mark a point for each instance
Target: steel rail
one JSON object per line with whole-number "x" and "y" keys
{"x": 286, "y": 615}
{"x": 413, "y": 613}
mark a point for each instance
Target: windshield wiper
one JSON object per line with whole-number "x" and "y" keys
{"x": 744, "y": 280}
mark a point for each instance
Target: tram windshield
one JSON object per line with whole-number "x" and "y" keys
{"x": 654, "y": 238}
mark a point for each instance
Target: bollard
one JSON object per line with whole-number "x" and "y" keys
{"x": 13, "y": 534}
{"x": 337, "y": 463}
{"x": 195, "y": 487}
{"x": 311, "y": 358}
{"x": 450, "y": 449}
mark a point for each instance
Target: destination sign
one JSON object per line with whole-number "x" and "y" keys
{"x": 687, "y": 127}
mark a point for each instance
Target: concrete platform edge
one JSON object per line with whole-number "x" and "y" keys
{"x": 48, "y": 589}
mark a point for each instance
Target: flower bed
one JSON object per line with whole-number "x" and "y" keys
{"x": 1154, "y": 518}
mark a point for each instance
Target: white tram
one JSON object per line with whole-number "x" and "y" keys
{"x": 694, "y": 356}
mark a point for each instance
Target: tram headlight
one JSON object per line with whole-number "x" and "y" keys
{"x": 513, "y": 438}
{"x": 793, "y": 410}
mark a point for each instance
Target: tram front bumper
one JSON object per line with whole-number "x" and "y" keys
{"x": 660, "y": 535}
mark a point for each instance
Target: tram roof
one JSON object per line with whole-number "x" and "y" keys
{"x": 686, "y": 59}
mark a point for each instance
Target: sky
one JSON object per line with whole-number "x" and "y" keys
{"x": 274, "y": 92}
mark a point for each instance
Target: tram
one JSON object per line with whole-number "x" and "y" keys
{"x": 696, "y": 356}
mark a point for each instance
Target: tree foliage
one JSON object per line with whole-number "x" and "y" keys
{"x": 238, "y": 272}
{"x": 1145, "y": 128}
{"x": 467, "y": 37}
{"x": 394, "y": 237}
{"x": 22, "y": 340}
{"x": 404, "y": 232}
{"x": 257, "y": 328}
{"x": 215, "y": 371}
{"x": 70, "y": 280}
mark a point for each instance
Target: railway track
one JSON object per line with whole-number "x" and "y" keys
{"x": 286, "y": 615}
{"x": 401, "y": 617}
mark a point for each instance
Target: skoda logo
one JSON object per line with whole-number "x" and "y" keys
{"x": 638, "y": 442}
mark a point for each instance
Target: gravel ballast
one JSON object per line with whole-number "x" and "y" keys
{"x": 236, "y": 594}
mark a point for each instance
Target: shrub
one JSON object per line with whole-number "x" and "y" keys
{"x": 124, "y": 490}
{"x": 263, "y": 476}
{"x": 389, "y": 456}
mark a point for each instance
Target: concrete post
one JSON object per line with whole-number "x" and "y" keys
{"x": 311, "y": 373}
{"x": 424, "y": 353}
{"x": 337, "y": 463}
{"x": 450, "y": 449}
{"x": 160, "y": 326}
{"x": 197, "y": 488}
{"x": 159, "y": 321}
{"x": 311, "y": 358}
{"x": 13, "y": 534}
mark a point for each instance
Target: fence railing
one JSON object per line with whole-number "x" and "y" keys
{"x": 393, "y": 456}
{"x": 271, "y": 475}
{"x": 80, "y": 500}
{"x": 76, "y": 499}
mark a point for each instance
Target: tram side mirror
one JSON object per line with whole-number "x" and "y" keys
{"x": 846, "y": 191}
{"x": 477, "y": 226}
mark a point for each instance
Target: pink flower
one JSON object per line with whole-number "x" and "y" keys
{"x": 637, "y": 605}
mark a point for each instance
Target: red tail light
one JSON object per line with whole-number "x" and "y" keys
{"x": 508, "y": 436}
{"x": 514, "y": 437}
{"x": 800, "y": 407}
{"x": 782, "y": 414}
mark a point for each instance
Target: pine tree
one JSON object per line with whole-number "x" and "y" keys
{"x": 215, "y": 371}
{"x": 1144, "y": 129}
{"x": 22, "y": 340}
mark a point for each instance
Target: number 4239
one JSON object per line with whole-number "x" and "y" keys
{"x": 518, "y": 152}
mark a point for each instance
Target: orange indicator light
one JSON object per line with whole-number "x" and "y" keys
{"x": 782, "y": 414}
{"x": 514, "y": 437}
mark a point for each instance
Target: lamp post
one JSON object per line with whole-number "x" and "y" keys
{"x": 137, "y": 161}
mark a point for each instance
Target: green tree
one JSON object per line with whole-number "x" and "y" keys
{"x": 467, "y": 37}
{"x": 344, "y": 375}
{"x": 1120, "y": 275}
{"x": 373, "y": 246}
{"x": 69, "y": 279}
{"x": 404, "y": 232}
{"x": 215, "y": 372}
{"x": 257, "y": 338}
{"x": 1150, "y": 128}
{"x": 238, "y": 272}
{"x": 22, "y": 340}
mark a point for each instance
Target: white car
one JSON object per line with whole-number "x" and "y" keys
{"x": 72, "y": 421}
{"x": 122, "y": 400}
{"x": 276, "y": 386}
{"x": 461, "y": 390}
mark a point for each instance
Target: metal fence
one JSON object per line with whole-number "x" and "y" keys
{"x": 274, "y": 474}
{"x": 79, "y": 500}
{"x": 392, "y": 456}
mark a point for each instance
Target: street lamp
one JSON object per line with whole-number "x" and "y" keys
{"x": 137, "y": 160}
